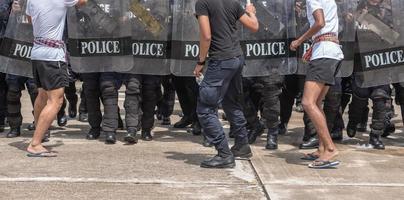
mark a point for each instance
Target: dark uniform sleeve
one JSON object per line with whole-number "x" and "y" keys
{"x": 201, "y": 8}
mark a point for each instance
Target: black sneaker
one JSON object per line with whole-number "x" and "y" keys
{"x": 31, "y": 127}
{"x": 219, "y": 162}
{"x": 242, "y": 151}
{"x": 110, "y": 138}
{"x": 131, "y": 137}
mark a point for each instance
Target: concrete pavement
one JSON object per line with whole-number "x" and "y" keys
{"x": 168, "y": 168}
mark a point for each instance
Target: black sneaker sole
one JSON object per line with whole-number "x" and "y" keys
{"x": 230, "y": 165}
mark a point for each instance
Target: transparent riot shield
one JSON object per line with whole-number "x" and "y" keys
{"x": 380, "y": 35}
{"x": 100, "y": 36}
{"x": 346, "y": 33}
{"x": 151, "y": 23}
{"x": 267, "y": 51}
{"x": 185, "y": 38}
{"x": 16, "y": 45}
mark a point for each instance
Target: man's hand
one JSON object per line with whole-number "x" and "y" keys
{"x": 295, "y": 44}
{"x": 82, "y": 2}
{"x": 198, "y": 70}
{"x": 16, "y": 6}
{"x": 250, "y": 9}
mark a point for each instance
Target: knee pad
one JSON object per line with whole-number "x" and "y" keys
{"x": 380, "y": 93}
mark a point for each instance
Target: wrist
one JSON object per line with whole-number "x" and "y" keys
{"x": 201, "y": 62}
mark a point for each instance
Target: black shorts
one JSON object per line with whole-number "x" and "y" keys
{"x": 323, "y": 70}
{"x": 50, "y": 75}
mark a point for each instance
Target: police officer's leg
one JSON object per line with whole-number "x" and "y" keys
{"x": 332, "y": 108}
{"x": 132, "y": 104}
{"x": 271, "y": 108}
{"x": 83, "y": 111}
{"x": 61, "y": 116}
{"x": 380, "y": 96}
{"x": 72, "y": 98}
{"x": 91, "y": 88}
{"x": 287, "y": 99}
{"x": 109, "y": 85}
{"x": 3, "y": 101}
{"x": 250, "y": 111}
{"x": 233, "y": 108}
{"x": 168, "y": 100}
{"x": 33, "y": 93}
{"x": 211, "y": 92}
{"x": 358, "y": 105}
{"x": 150, "y": 86}
{"x": 14, "y": 117}
{"x": 185, "y": 87}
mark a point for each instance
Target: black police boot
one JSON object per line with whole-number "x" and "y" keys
{"x": 283, "y": 128}
{"x": 241, "y": 150}
{"x": 196, "y": 128}
{"x": 73, "y": 110}
{"x": 130, "y": 136}
{"x": 361, "y": 127}
{"x": 336, "y": 134}
{"x": 312, "y": 143}
{"x": 120, "y": 123}
{"x": 184, "y": 122}
{"x": 83, "y": 117}
{"x": 351, "y": 129}
{"x": 93, "y": 134}
{"x": 272, "y": 139}
{"x": 255, "y": 132}
{"x": 147, "y": 136}
{"x": 110, "y": 138}
{"x": 389, "y": 129}
{"x": 374, "y": 140}
{"x": 219, "y": 162}
{"x": 62, "y": 119}
{"x": 299, "y": 108}
{"x": 2, "y": 125}
{"x": 14, "y": 132}
{"x": 166, "y": 121}
{"x": 31, "y": 127}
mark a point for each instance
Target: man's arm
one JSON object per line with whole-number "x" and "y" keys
{"x": 204, "y": 42}
{"x": 318, "y": 25}
{"x": 249, "y": 20}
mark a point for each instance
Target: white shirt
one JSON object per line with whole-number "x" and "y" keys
{"x": 48, "y": 21}
{"x": 325, "y": 49}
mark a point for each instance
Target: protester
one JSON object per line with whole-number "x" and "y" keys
{"x": 49, "y": 65}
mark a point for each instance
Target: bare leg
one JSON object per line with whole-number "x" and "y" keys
{"x": 313, "y": 96}
{"x": 45, "y": 115}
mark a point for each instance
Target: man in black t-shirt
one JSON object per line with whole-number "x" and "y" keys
{"x": 222, "y": 82}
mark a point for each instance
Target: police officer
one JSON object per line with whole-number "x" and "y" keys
{"x": 15, "y": 85}
{"x": 5, "y": 8}
{"x": 110, "y": 83}
{"x": 269, "y": 88}
{"x": 165, "y": 105}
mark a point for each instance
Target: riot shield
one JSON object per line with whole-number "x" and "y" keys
{"x": 267, "y": 51}
{"x": 100, "y": 37}
{"x": 151, "y": 34}
{"x": 16, "y": 45}
{"x": 346, "y": 33}
{"x": 185, "y": 38}
{"x": 380, "y": 36}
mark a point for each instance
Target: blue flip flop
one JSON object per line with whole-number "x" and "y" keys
{"x": 44, "y": 154}
{"x": 322, "y": 164}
